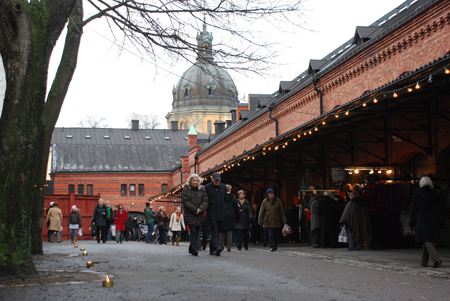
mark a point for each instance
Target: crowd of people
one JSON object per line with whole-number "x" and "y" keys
{"x": 213, "y": 213}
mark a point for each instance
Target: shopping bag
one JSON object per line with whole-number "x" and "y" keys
{"x": 113, "y": 230}
{"x": 286, "y": 230}
{"x": 80, "y": 232}
{"x": 343, "y": 236}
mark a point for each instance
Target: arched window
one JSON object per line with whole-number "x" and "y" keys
{"x": 209, "y": 127}
{"x": 186, "y": 91}
{"x": 211, "y": 91}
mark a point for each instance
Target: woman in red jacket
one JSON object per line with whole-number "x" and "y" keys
{"x": 119, "y": 221}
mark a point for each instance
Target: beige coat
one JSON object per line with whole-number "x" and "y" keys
{"x": 55, "y": 216}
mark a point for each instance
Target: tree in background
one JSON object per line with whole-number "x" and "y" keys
{"x": 146, "y": 121}
{"x": 93, "y": 121}
{"x": 160, "y": 29}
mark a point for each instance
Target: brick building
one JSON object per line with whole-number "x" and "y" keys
{"x": 122, "y": 165}
{"x": 377, "y": 104}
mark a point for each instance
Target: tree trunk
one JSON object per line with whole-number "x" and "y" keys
{"x": 28, "y": 33}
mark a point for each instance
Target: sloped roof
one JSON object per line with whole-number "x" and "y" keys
{"x": 286, "y": 86}
{"x": 116, "y": 158}
{"x": 118, "y": 150}
{"x": 316, "y": 65}
{"x": 365, "y": 33}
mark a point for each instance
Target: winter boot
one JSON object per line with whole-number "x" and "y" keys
{"x": 178, "y": 241}
{"x": 71, "y": 239}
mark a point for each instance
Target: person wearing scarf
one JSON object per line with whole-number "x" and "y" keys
{"x": 119, "y": 220}
{"x": 177, "y": 225}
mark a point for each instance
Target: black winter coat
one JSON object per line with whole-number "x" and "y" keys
{"x": 128, "y": 222}
{"x": 231, "y": 213}
{"x": 216, "y": 196}
{"x": 426, "y": 214}
{"x": 194, "y": 199}
{"x": 245, "y": 215}
{"x": 99, "y": 218}
{"x": 329, "y": 217}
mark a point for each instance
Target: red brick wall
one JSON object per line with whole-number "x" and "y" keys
{"x": 414, "y": 44}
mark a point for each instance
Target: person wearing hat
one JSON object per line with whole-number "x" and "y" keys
{"x": 74, "y": 223}
{"x": 217, "y": 194}
{"x": 273, "y": 215}
{"x": 150, "y": 219}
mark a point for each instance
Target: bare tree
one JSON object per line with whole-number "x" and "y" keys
{"x": 93, "y": 121}
{"x": 146, "y": 121}
{"x": 161, "y": 29}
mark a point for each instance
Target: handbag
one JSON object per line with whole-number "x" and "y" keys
{"x": 80, "y": 232}
{"x": 113, "y": 230}
{"x": 343, "y": 236}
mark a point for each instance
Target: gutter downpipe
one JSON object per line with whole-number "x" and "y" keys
{"x": 273, "y": 118}
{"x": 314, "y": 81}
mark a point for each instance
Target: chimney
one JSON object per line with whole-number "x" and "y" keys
{"x": 135, "y": 125}
{"x": 192, "y": 136}
{"x": 219, "y": 126}
{"x": 174, "y": 125}
{"x": 229, "y": 122}
{"x": 233, "y": 115}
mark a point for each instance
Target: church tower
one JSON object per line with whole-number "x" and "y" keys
{"x": 205, "y": 93}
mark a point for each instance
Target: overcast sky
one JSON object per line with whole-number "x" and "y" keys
{"x": 113, "y": 84}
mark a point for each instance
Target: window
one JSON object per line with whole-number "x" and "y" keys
{"x": 71, "y": 188}
{"x": 164, "y": 187}
{"x": 106, "y": 137}
{"x": 186, "y": 91}
{"x": 127, "y": 137}
{"x": 141, "y": 189}
{"x": 123, "y": 189}
{"x": 80, "y": 189}
{"x": 210, "y": 91}
{"x": 148, "y": 137}
{"x": 166, "y": 138}
{"x": 87, "y": 136}
{"x": 90, "y": 189}
{"x": 132, "y": 189}
{"x": 209, "y": 127}
{"x": 69, "y": 136}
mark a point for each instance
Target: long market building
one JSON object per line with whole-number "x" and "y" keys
{"x": 377, "y": 106}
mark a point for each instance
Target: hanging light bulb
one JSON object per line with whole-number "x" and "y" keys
{"x": 264, "y": 153}
{"x": 356, "y": 171}
{"x": 379, "y": 171}
{"x": 316, "y": 129}
{"x": 284, "y": 146}
{"x": 395, "y": 94}
{"x": 430, "y": 79}
{"x": 417, "y": 85}
{"x": 375, "y": 100}
{"x": 270, "y": 148}
{"x": 346, "y": 113}
{"x": 364, "y": 104}
{"x": 276, "y": 147}
{"x": 305, "y": 133}
{"x": 295, "y": 139}
{"x": 299, "y": 135}
{"x": 371, "y": 172}
{"x": 239, "y": 164}
{"x": 446, "y": 70}
{"x": 389, "y": 171}
{"x": 337, "y": 115}
{"x": 310, "y": 132}
{"x": 253, "y": 158}
{"x": 410, "y": 89}
{"x": 286, "y": 143}
{"x": 323, "y": 122}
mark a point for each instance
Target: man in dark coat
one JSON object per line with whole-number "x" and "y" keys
{"x": 217, "y": 194}
{"x": 100, "y": 222}
{"x": 330, "y": 221}
{"x": 427, "y": 219}
{"x": 273, "y": 215}
{"x": 231, "y": 215}
{"x": 195, "y": 202}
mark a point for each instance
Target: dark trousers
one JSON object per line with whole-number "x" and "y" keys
{"x": 274, "y": 237}
{"x": 317, "y": 233}
{"x": 193, "y": 238}
{"x": 329, "y": 239}
{"x": 103, "y": 231}
{"x": 266, "y": 235}
{"x": 239, "y": 234}
{"x": 204, "y": 229}
{"x": 214, "y": 242}
{"x": 162, "y": 236}
{"x": 134, "y": 233}
{"x": 257, "y": 232}
{"x": 151, "y": 227}
{"x": 127, "y": 233}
